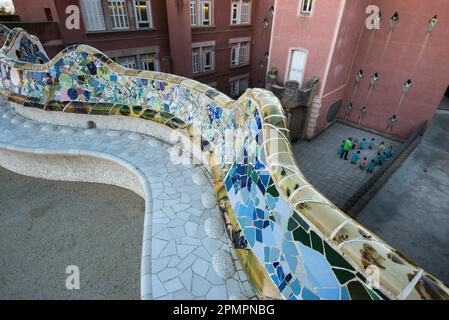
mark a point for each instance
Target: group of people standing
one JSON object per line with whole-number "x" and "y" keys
{"x": 356, "y": 147}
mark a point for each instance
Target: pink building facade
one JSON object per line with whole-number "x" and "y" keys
{"x": 334, "y": 44}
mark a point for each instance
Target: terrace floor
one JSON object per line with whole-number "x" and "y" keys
{"x": 337, "y": 179}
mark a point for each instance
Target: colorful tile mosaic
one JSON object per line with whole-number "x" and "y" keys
{"x": 19, "y": 45}
{"x": 306, "y": 247}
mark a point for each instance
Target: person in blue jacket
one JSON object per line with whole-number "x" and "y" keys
{"x": 389, "y": 152}
{"x": 379, "y": 159}
{"x": 372, "y": 143}
{"x": 341, "y": 149}
{"x": 355, "y": 157}
{"x": 371, "y": 166}
{"x": 362, "y": 144}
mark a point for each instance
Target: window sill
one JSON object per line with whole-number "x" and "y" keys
{"x": 204, "y": 74}
{"x": 203, "y": 27}
{"x": 119, "y": 30}
{"x": 241, "y": 25}
{"x": 240, "y": 66}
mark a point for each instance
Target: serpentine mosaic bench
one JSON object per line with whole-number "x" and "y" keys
{"x": 291, "y": 241}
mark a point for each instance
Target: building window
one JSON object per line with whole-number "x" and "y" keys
{"x": 240, "y": 12}
{"x": 203, "y": 59}
{"x": 205, "y": 13}
{"x": 128, "y": 62}
{"x": 240, "y": 53}
{"x": 143, "y": 13}
{"x": 238, "y": 86}
{"x": 208, "y": 59}
{"x": 149, "y": 62}
{"x": 195, "y": 60}
{"x": 201, "y": 13}
{"x": 306, "y": 7}
{"x": 193, "y": 13}
{"x": 48, "y": 14}
{"x": 244, "y": 16}
{"x": 93, "y": 15}
{"x": 119, "y": 14}
{"x": 297, "y": 66}
{"x": 234, "y": 12}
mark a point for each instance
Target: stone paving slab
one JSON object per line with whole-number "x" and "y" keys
{"x": 337, "y": 179}
{"x": 177, "y": 252}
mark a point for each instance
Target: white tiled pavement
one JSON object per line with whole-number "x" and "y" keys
{"x": 176, "y": 252}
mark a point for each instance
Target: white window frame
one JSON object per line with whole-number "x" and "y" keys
{"x": 234, "y": 55}
{"x": 306, "y": 7}
{"x": 93, "y": 15}
{"x": 238, "y": 85}
{"x": 235, "y": 88}
{"x": 205, "y": 3}
{"x": 241, "y": 53}
{"x": 242, "y": 16}
{"x": 129, "y": 62}
{"x": 235, "y": 12}
{"x": 199, "y": 57}
{"x": 245, "y": 12}
{"x": 146, "y": 59}
{"x": 193, "y": 13}
{"x": 138, "y": 17}
{"x": 120, "y": 20}
{"x": 197, "y": 13}
{"x": 208, "y": 67}
{"x": 302, "y": 70}
{"x": 196, "y": 60}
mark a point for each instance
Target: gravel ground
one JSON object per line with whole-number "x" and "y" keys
{"x": 46, "y": 226}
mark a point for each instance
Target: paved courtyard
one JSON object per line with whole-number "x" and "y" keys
{"x": 337, "y": 179}
{"x": 46, "y": 226}
{"x": 411, "y": 212}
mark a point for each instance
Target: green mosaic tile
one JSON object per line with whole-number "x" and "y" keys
{"x": 255, "y": 177}
{"x": 335, "y": 259}
{"x": 380, "y": 294}
{"x": 317, "y": 243}
{"x": 292, "y": 224}
{"x": 301, "y": 235}
{"x": 343, "y": 276}
{"x": 273, "y": 191}
{"x": 357, "y": 291}
{"x": 361, "y": 277}
{"x": 373, "y": 295}
{"x": 300, "y": 221}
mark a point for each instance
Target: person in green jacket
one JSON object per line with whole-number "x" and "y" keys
{"x": 346, "y": 148}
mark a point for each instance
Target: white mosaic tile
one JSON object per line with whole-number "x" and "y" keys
{"x": 200, "y": 286}
{"x": 200, "y": 266}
